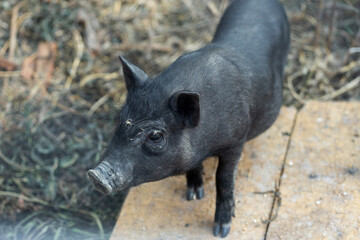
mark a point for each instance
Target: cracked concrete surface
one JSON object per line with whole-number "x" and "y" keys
{"x": 320, "y": 190}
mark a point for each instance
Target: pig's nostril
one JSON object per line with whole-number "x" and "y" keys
{"x": 99, "y": 183}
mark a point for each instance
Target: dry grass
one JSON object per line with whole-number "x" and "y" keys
{"x": 324, "y": 57}
{"x": 60, "y": 85}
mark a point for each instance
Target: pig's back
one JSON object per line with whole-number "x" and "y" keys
{"x": 255, "y": 36}
{"x": 252, "y": 27}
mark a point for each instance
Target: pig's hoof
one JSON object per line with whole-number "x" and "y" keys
{"x": 224, "y": 211}
{"x": 195, "y": 193}
{"x": 200, "y": 192}
{"x": 223, "y": 229}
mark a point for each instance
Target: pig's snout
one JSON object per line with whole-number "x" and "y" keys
{"x": 107, "y": 179}
{"x": 100, "y": 183}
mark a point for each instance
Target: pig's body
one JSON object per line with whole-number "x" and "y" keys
{"x": 207, "y": 103}
{"x": 238, "y": 76}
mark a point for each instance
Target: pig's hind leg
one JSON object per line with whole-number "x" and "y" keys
{"x": 195, "y": 186}
{"x": 225, "y": 179}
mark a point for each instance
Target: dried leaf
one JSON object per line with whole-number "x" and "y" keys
{"x": 45, "y": 61}
{"x": 7, "y": 64}
{"x": 41, "y": 64}
{"x": 28, "y": 68}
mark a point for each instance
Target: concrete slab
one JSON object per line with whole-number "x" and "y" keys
{"x": 320, "y": 188}
{"x": 159, "y": 210}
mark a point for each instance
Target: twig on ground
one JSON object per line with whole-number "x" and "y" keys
{"x": 79, "y": 48}
{"x": 12, "y": 41}
{"x": 98, "y": 103}
{"x": 13, "y": 30}
{"x": 10, "y": 74}
{"x": 141, "y": 47}
{"x": 28, "y": 199}
{"x": 349, "y": 86}
{"x": 14, "y": 164}
{"x": 332, "y": 26}
{"x": 4, "y": 48}
{"x": 318, "y": 25}
{"x": 291, "y": 86}
{"x": 104, "y": 76}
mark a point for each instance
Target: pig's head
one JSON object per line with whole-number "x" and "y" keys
{"x": 149, "y": 143}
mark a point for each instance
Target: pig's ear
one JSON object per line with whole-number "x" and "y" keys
{"x": 134, "y": 76}
{"x": 186, "y": 107}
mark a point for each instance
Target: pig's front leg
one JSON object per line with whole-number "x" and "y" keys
{"x": 195, "y": 186}
{"x": 225, "y": 178}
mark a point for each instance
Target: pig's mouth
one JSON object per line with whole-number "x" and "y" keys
{"x": 105, "y": 180}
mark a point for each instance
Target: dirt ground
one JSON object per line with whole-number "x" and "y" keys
{"x": 61, "y": 86}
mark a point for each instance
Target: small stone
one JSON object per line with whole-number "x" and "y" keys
{"x": 254, "y": 221}
{"x": 313, "y": 175}
{"x": 318, "y": 202}
{"x": 319, "y": 120}
{"x": 352, "y": 170}
{"x": 291, "y": 163}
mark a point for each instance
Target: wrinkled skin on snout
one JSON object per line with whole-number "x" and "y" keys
{"x": 207, "y": 103}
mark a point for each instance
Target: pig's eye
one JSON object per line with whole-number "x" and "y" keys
{"x": 156, "y": 137}
{"x": 155, "y": 142}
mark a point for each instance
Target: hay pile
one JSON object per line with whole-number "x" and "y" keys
{"x": 60, "y": 85}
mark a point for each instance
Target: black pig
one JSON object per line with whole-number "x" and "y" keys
{"x": 207, "y": 103}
